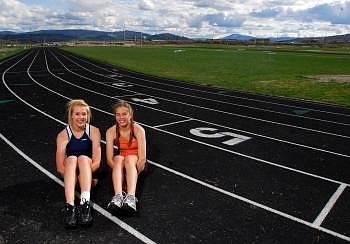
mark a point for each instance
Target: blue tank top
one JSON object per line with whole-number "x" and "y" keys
{"x": 79, "y": 146}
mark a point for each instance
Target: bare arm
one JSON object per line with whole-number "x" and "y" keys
{"x": 96, "y": 148}
{"x": 141, "y": 139}
{"x": 110, "y": 134}
{"x": 61, "y": 143}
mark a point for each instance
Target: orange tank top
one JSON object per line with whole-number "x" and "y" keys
{"x": 125, "y": 149}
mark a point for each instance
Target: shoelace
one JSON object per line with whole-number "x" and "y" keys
{"x": 118, "y": 197}
{"x": 83, "y": 201}
{"x": 130, "y": 199}
{"x": 66, "y": 208}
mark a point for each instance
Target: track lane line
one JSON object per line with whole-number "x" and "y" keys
{"x": 172, "y": 123}
{"x": 246, "y": 200}
{"x": 328, "y": 207}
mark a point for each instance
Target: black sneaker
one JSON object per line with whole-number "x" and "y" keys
{"x": 70, "y": 216}
{"x": 85, "y": 214}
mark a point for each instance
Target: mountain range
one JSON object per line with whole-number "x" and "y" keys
{"x": 84, "y": 35}
{"x": 337, "y": 38}
{"x": 92, "y": 35}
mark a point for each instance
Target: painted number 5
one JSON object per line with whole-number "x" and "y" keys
{"x": 213, "y": 133}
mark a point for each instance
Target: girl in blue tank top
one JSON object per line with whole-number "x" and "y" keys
{"x": 78, "y": 155}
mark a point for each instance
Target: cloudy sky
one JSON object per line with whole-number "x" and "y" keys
{"x": 202, "y": 18}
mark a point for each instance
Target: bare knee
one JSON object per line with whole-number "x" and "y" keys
{"x": 118, "y": 162}
{"x": 84, "y": 162}
{"x": 130, "y": 162}
{"x": 70, "y": 164}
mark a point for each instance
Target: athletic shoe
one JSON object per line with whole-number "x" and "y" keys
{"x": 70, "y": 216}
{"x": 130, "y": 204}
{"x": 116, "y": 203}
{"x": 85, "y": 214}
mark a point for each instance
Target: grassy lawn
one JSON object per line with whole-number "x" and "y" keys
{"x": 6, "y": 52}
{"x": 282, "y": 71}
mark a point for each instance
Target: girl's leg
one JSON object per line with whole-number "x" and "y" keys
{"x": 70, "y": 167}
{"x": 117, "y": 177}
{"x": 131, "y": 180}
{"x": 85, "y": 173}
{"x": 131, "y": 173}
{"x": 117, "y": 174}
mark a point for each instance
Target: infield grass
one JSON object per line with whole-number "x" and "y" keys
{"x": 6, "y": 52}
{"x": 282, "y": 71}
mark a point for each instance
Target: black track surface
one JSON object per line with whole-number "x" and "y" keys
{"x": 271, "y": 187}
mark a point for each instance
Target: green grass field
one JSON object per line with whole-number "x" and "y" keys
{"x": 6, "y": 52}
{"x": 282, "y": 71}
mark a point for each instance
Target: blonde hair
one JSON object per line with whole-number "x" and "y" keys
{"x": 122, "y": 103}
{"x": 77, "y": 102}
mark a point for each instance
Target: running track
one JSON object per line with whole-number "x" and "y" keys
{"x": 224, "y": 166}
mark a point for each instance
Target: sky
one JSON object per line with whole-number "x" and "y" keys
{"x": 194, "y": 19}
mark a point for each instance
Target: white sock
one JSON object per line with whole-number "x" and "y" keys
{"x": 84, "y": 197}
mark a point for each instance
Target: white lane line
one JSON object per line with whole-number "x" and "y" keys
{"x": 200, "y": 142}
{"x": 205, "y": 108}
{"x": 253, "y": 158}
{"x": 203, "y": 183}
{"x": 220, "y": 94}
{"x": 35, "y": 164}
{"x": 328, "y": 207}
{"x": 99, "y": 209}
{"x": 172, "y": 123}
{"x": 263, "y": 136}
{"x": 136, "y": 94}
{"x": 246, "y": 200}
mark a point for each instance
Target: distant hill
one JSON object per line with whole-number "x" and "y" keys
{"x": 7, "y": 33}
{"x": 33, "y": 37}
{"x": 238, "y": 37}
{"x": 281, "y": 39}
{"x": 92, "y": 35}
{"x": 337, "y": 38}
{"x": 84, "y": 35}
{"x": 345, "y": 37}
{"x": 167, "y": 36}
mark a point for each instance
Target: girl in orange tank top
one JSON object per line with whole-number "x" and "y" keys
{"x": 129, "y": 137}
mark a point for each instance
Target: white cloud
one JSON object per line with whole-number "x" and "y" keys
{"x": 338, "y": 13}
{"x": 18, "y": 17}
{"x": 218, "y": 19}
{"x": 145, "y": 4}
{"x": 266, "y": 13}
{"x": 220, "y": 5}
{"x": 191, "y": 18}
{"x": 89, "y": 5}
